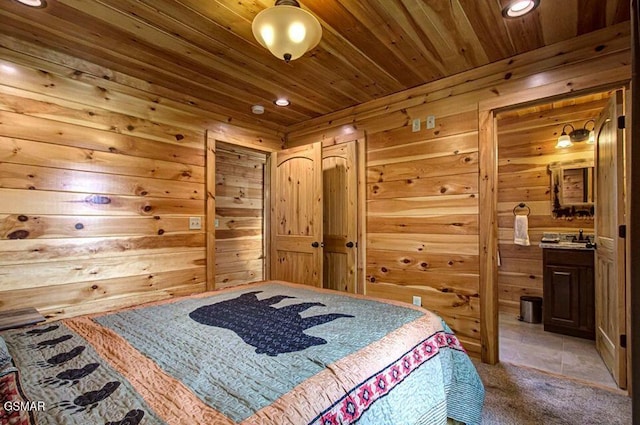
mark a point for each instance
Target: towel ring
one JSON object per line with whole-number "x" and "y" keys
{"x": 521, "y": 205}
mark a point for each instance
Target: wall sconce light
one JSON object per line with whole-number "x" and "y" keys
{"x": 592, "y": 134}
{"x": 576, "y": 135}
{"x": 286, "y": 30}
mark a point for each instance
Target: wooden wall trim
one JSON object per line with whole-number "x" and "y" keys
{"x": 633, "y": 159}
{"x": 266, "y": 219}
{"x": 351, "y": 136}
{"x": 210, "y": 210}
{"x": 488, "y": 235}
{"x": 361, "y": 155}
{"x": 584, "y": 84}
{"x": 247, "y": 139}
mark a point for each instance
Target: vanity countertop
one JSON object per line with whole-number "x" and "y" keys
{"x": 566, "y": 245}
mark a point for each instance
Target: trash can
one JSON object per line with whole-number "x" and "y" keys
{"x": 530, "y": 309}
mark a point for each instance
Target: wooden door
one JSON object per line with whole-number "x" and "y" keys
{"x": 609, "y": 258}
{"x": 296, "y": 215}
{"x": 340, "y": 216}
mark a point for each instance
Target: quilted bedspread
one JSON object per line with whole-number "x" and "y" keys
{"x": 265, "y": 353}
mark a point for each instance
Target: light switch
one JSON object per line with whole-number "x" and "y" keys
{"x": 431, "y": 122}
{"x": 416, "y": 125}
{"x": 195, "y": 223}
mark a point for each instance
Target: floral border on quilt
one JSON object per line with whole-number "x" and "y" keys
{"x": 352, "y": 406}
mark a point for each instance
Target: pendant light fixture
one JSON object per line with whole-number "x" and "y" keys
{"x": 287, "y": 30}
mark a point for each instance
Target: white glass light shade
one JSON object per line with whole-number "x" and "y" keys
{"x": 564, "y": 141}
{"x": 592, "y": 137}
{"x": 287, "y": 31}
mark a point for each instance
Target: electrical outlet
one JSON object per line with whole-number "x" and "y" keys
{"x": 195, "y": 223}
{"x": 431, "y": 122}
{"x": 416, "y": 125}
{"x": 417, "y": 300}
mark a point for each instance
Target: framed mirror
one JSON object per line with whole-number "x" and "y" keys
{"x": 572, "y": 188}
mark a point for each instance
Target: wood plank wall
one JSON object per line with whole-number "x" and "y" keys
{"x": 422, "y": 218}
{"x": 92, "y": 218}
{"x": 526, "y": 145}
{"x": 99, "y": 175}
{"x": 422, "y": 199}
{"x": 239, "y": 211}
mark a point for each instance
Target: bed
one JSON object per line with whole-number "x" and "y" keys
{"x": 264, "y": 353}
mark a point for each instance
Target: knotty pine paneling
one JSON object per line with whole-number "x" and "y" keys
{"x": 239, "y": 212}
{"x": 526, "y": 144}
{"x": 98, "y": 180}
{"x": 92, "y": 219}
{"x": 205, "y": 50}
{"x": 423, "y": 211}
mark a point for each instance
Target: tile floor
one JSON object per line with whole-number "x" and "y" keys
{"x": 527, "y": 344}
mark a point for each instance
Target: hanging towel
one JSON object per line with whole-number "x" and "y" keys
{"x": 521, "y": 230}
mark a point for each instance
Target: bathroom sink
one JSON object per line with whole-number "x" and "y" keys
{"x": 576, "y": 244}
{"x": 567, "y": 245}
{"x": 580, "y": 241}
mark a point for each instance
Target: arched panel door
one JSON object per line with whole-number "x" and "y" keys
{"x": 340, "y": 222}
{"x": 296, "y": 215}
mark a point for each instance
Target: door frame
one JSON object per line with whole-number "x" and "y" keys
{"x": 211, "y": 138}
{"x": 488, "y": 196}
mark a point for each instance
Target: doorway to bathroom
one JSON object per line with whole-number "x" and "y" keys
{"x": 530, "y": 148}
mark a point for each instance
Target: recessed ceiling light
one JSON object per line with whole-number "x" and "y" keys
{"x": 282, "y": 102}
{"x": 33, "y": 3}
{"x": 518, "y": 8}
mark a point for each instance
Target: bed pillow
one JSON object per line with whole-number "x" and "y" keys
{"x": 5, "y": 357}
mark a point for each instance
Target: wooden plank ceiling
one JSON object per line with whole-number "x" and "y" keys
{"x": 206, "y": 53}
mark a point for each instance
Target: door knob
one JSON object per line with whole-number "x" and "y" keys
{"x": 315, "y": 244}
{"x": 350, "y": 244}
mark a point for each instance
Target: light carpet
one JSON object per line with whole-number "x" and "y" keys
{"x": 519, "y": 396}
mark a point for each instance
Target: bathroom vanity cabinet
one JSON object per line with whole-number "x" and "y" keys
{"x": 568, "y": 292}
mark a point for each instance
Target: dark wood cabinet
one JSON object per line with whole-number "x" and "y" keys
{"x": 568, "y": 292}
